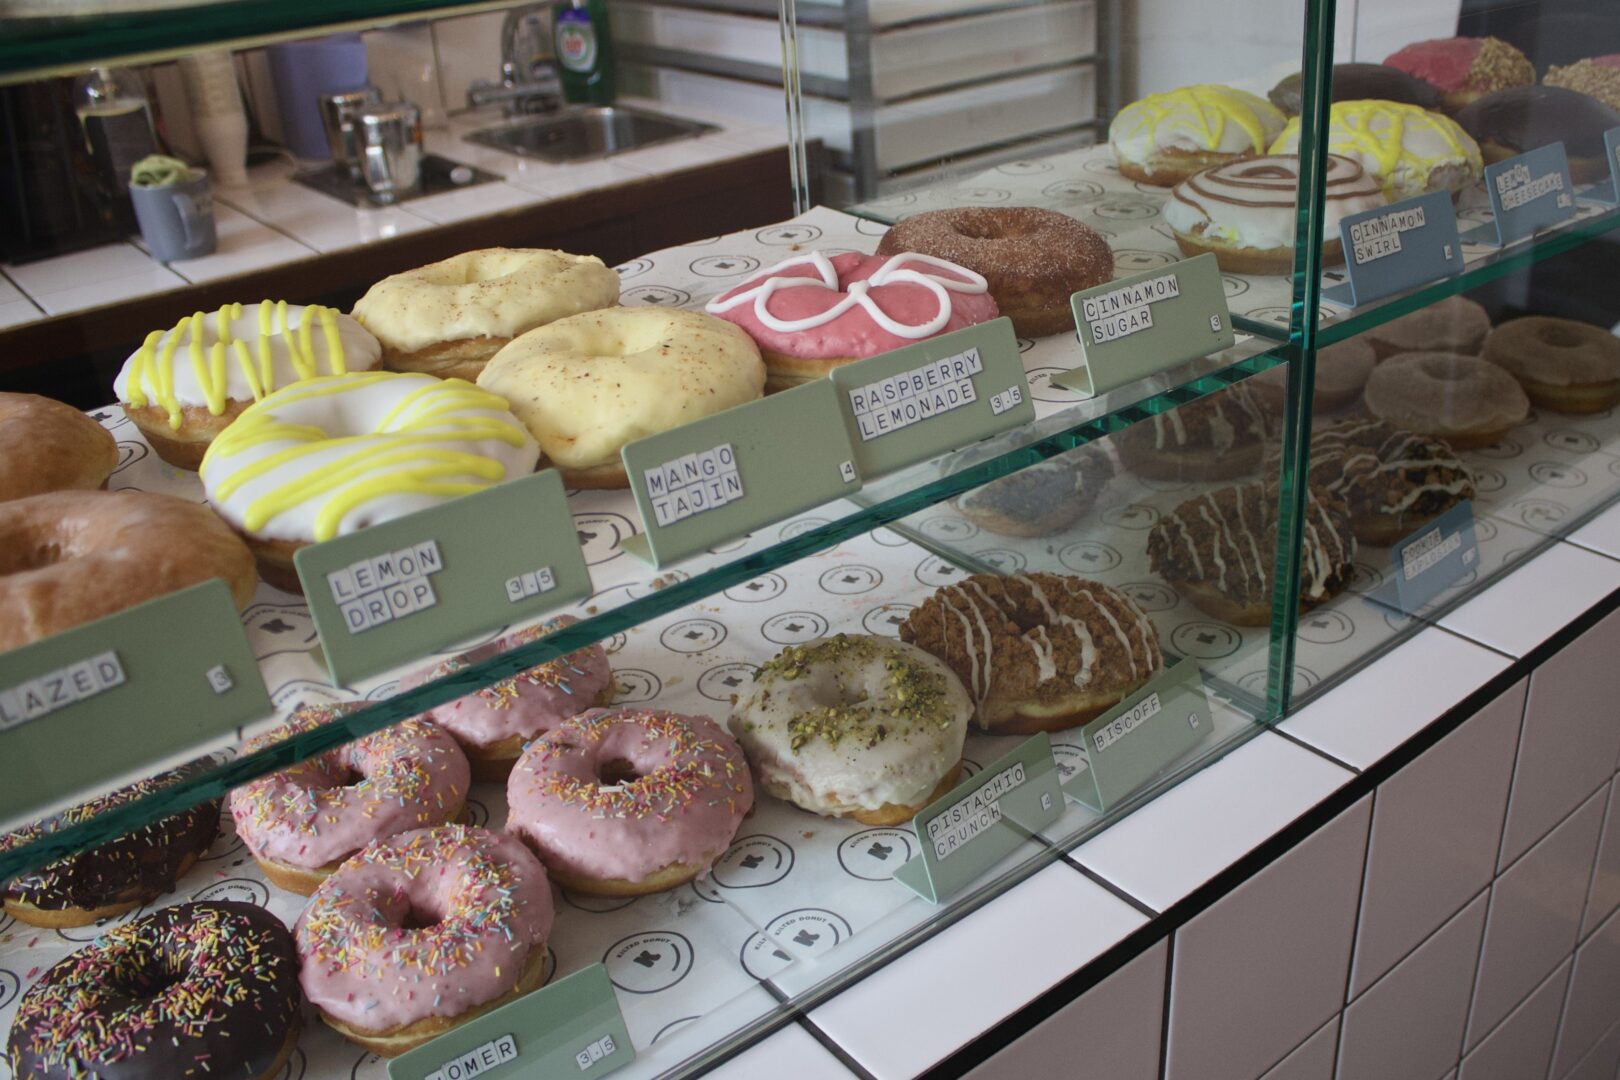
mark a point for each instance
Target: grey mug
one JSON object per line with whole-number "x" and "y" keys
{"x": 177, "y": 220}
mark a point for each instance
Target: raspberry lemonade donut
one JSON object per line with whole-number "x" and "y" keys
{"x": 623, "y": 802}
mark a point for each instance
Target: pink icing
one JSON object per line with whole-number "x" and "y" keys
{"x": 1443, "y": 62}
{"x": 487, "y": 906}
{"x": 325, "y": 808}
{"x": 528, "y": 704}
{"x": 690, "y": 793}
{"x": 854, "y": 333}
{"x": 1609, "y": 60}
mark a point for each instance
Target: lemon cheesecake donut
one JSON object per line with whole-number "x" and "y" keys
{"x": 185, "y": 384}
{"x": 450, "y": 317}
{"x": 590, "y": 383}
{"x": 1410, "y": 151}
{"x": 330, "y": 456}
{"x": 1165, "y": 138}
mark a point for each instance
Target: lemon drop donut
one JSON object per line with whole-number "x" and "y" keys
{"x": 185, "y": 384}
{"x": 590, "y": 383}
{"x": 448, "y": 318}
{"x": 329, "y": 456}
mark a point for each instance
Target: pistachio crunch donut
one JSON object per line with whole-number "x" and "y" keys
{"x": 301, "y": 822}
{"x": 855, "y": 726}
{"x": 68, "y": 557}
{"x": 423, "y": 931}
{"x": 1563, "y": 365}
{"x": 450, "y": 317}
{"x": 1039, "y": 651}
{"x": 1466, "y": 401}
{"x": 589, "y": 384}
{"x": 623, "y": 802}
{"x": 46, "y": 445}
{"x": 1032, "y": 259}
{"x": 194, "y": 990}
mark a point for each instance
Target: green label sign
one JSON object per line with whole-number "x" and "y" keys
{"x": 1134, "y": 741}
{"x": 718, "y": 478}
{"x": 90, "y": 705}
{"x": 398, "y": 590}
{"x": 571, "y": 1028}
{"x": 916, "y": 403}
{"x": 1138, "y": 326}
{"x": 981, "y": 820}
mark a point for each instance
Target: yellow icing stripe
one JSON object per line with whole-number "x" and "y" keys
{"x": 362, "y": 475}
{"x": 1386, "y": 134}
{"x": 1206, "y": 109}
{"x": 415, "y": 482}
{"x": 466, "y": 431}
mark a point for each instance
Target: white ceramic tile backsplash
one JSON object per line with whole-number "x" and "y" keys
{"x": 155, "y": 278}
{"x": 1570, "y": 737}
{"x": 400, "y": 64}
{"x": 1534, "y": 918}
{"x": 1410, "y": 1022}
{"x": 17, "y": 312}
{"x": 791, "y": 1052}
{"x": 1522, "y": 1045}
{"x": 473, "y": 202}
{"x": 1594, "y": 993}
{"x": 245, "y": 246}
{"x": 1436, "y": 826}
{"x": 99, "y": 264}
{"x": 1312, "y": 1061}
{"x": 1601, "y": 534}
{"x": 469, "y": 48}
{"x": 1523, "y": 609}
{"x": 319, "y": 221}
{"x": 1264, "y": 967}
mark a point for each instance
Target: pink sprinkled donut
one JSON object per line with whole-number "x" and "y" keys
{"x": 301, "y": 822}
{"x": 622, "y": 802}
{"x": 424, "y": 931}
{"x": 494, "y": 723}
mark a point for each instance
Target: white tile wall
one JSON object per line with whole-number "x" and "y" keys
{"x": 1535, "y": 601}
{"x": 1112, "y": 1032}
{"x": 1535, "y": 915}
{"x": 1522, "y": 1045}
{"x": 1436, "y": 827}
{"x": 791, "y": 1052}
{"x": 1264, "y": 967}
{"x": 1570, "y": 736}
{"x": 1605, "y": 894}
{"x": 320, "y": 221}
{"x": 1594, "y": 995}
{"x": 1601, "y": 534}
{"x": 1410, "y": 1023}
{"x": 245, "y": 247}
{"x": 1312, "y": 1061}
{"x": 17, "y": 312}
{"x": 469, "y": 48}
{"x": 399, "y": 63}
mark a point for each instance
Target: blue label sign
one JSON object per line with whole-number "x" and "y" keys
{"x": 1529, "y": 192}
{"x": 1435, "y": 557}
{"x": 1608, "y": 191}
{"x": 1398, "y": 247}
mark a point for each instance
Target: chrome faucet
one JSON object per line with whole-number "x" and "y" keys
{"x": 529, "y": 79}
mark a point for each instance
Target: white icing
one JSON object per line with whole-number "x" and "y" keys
{"x": 1233, "y": 205}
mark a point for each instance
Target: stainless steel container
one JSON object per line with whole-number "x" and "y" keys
{"x": 390, "y": 140}
{"x": 338, "y": 112}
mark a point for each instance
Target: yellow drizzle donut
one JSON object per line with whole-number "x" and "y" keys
{"x": 448, "y": 318}
{"x": 1407, "y": 149}
{"x": 328, "y": 456}
{"x": 1164, "y": 138}
{"x": 588, "y": 384}
{"x": 185, "y": 384}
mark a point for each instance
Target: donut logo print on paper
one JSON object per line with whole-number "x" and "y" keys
{"x": 477, "y": 813}
{"x": 673, "y": 1025}
{"x": 1205, "y": 640}
{"x": 1089, "y": 557}
{"x": 598, "y": 904}
{"x": 850, "y": 579}
{"x": 1501, "y": 450}
{"x": 1075, "y": 190}
{"x": 634, "y": 685}
{"x": 1126, "y": 208}
{"x": 294, "y": 1069}
{"x": 240, "y": 890}
{"x": 650, "y": 962}
{"x": 800, "y": 527}
{"x": 1255, "y": 681}
{"x": 809, "y": 931}
{"x": 753, "y": 862}
{"x": 981, "y": 196}
{"x": 761, "y": 957}
{"x": 1487, "y": 481}
{"x": 1041, "y": 388}
{"x": 1570, "y": 441}
{"x": 1326, "y": 626}
{"x": 129, "y": 453}
{"x": 303, "y": 692}
{"x": 789, "y": 235}
{"x": 1003, "y": 560}
{"x": 277, "y": 629}
{"x": 935, "y": 571}
{"x": 1137, "y": 516}
{"x": 875, "y": 854}
{"x": 1540, "y": 513}
{"x": 633, "y": 268}
{"x": 724, "y": 266}
{"x": 793, "y": 628}
{"x": 10, "y": 987}
{"x": 764, "y": 587}
{"x": 600, "y": 535}
{"x": 1554, "y": 474}
{"x": 1365, "y": 579}
{"x": 1233, "y": 286}
{"x": 1151, "y": 595}
{"x": 692, "y": 636}
{"x": 369, "y": 1066}
{"x": 1127, "y": 261}
{"x": 659, "y": 295}
{"x": 720, "y": 683}
{"x": 885, "y": 619}
{"x": 868, "y": 227}
{"x": 226, "y": 845}
{"x": 948, "y": 529}
{"x": 1025, "y": 168}
{"x": 1070, "y": 760}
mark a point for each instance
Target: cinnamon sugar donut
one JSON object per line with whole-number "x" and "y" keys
{"x": 1563, "y": 365}
{"x": 1214, "y": 438}
{"x": 1033, "y": 259}
{"x": 1038, "y": 652}
{"x": 1455, "y": 325}
{"x": 1461, "y": 399}
{"x": 46, "y": 445}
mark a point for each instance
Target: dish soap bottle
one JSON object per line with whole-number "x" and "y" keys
{"x": 584, "y": 52}
{"x": 116, "y": 118}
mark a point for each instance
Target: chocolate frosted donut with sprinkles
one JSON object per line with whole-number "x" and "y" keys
{"x": 1039, "y": 651}
{"x": 424, "y": 931}
{"x": 624, "y": 802}
{"x": 194, "y": 990}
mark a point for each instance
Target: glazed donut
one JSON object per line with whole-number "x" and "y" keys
{"x": 1039, "y": 651}
{"x": 1593, "y": 77}
{"x": 1455, "y": 325}
{"x": 1408, "y": 150}
{"x": 855, "y": 726}
{"x": 624, "y": 802}
{"x": 184, "y": 385}
{"x": 1165, "y": 138}
{"x": 204, "y": 989}
{"x": 1245, "y": 211}
{"x": 1214, "y": 438}
{"x": 1507, "y": 123}
{"x": 120, "y": 875}
{"x": 1342, "y": 370}
{"x": 68, "y": 557}
{"x": 588, "y": 384}
{"x": 493, "y": 724}
{"x": 329, "y": 456}
{"x": 450, "y": 317}
{"x": 811, "y": 313}
{"x": 1361, "y": 82}
{"x": 1043, "y": 498}
{"x": 1032, "y": 259}
{"x": 1391, "y": 482}
{"x": 1461, "y": 399}
{"x": 424, "y": 931}
{"x": 1464, "y": 69}
{"x": 1563, "y": 365}
{"x": 301, "y": 822}
{"x": 1217, "y": 550}
{"x": 48, "y": 446}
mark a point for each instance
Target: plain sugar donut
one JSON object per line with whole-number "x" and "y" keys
{"x": 46, "y": 445}
{"x": 1461, "y": 399}
{"x": 1563, "y": 365}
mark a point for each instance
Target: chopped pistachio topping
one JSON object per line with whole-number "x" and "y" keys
{"x": 912, "y": 696}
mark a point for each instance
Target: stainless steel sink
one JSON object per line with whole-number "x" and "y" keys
{"x": 583, "y": 134}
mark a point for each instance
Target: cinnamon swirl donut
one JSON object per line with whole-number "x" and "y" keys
{"x": 1038, "y": 652}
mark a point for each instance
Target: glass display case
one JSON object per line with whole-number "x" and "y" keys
{"x": 1194, "y": 540}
